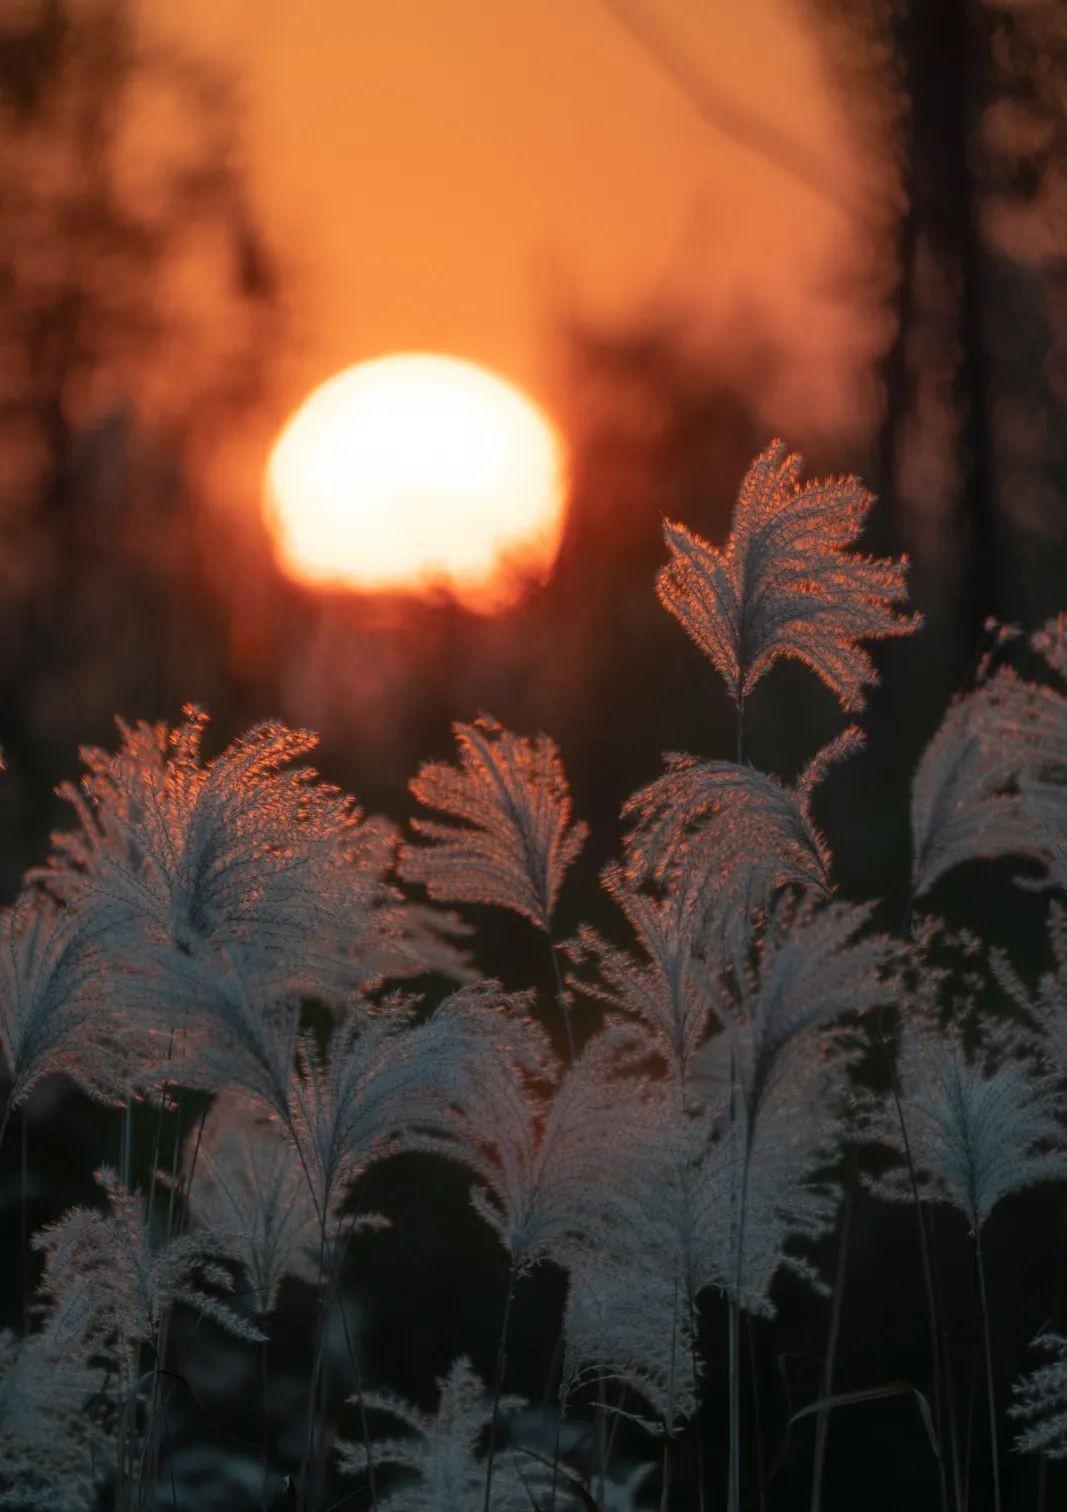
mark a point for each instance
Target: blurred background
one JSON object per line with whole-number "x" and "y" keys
{"x": 682, "y": 230}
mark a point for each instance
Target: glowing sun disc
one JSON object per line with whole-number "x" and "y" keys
{"x": 413, "y": 473}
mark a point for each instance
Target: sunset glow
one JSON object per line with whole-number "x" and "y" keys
{"x": 417, "y": 473}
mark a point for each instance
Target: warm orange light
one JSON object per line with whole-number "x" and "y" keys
{"x": 414, "y": 473}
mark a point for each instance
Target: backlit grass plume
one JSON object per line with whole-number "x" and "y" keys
{"x": 543, "y": 1152}
{"x": 244, "y": 849}
{"x": 717, "y": 821}
{"x": 388, "y": 1082}
{"x": 971, "y": 1123}
{"x": 629, "y": 1321}
{"x": 786, "y": 582}
{"x": 514, "y": 840}
{"x": 981, "y": 1120}
{"x": 665, "y": 987}
{"x": 1043, "y": 1010}
{"x": 58, "y": 1011}
{"x": 108, "y": 1284}
{"x": 49, "y": 1443}
{"x": 441, "y": 1452}
{"x": 251, "y": 1197}
{"x": 969, "y": 794}
{"x": 1041, "y": 1401}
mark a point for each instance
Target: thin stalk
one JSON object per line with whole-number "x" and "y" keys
{"x": 698, "y": 1416}
{"x": 553, "y": 1366}
{"x": 740, "y": 728}
{"x": 127, "y": 1141}
{"x": 164, "y": 1098}
{"x": 665, "y": 1493}
{"x": 991, "y": 1400}
{"x": 129, "y": 1389}
{"x": 733, "y": 1495}
{"x": 24, "y": 1227}
{"x": 561, "y": 995}
{"x": 968, "y": 1451}
{"x": 6, "y": 1119}
{"x": 826, "y": 1386}
{"x": 173, "y": 1225}
{"x": 1057, "y": 1309}
{"x": 669, "y": 1419}
{"x": 949, "y": 1389}
{"x": 196, "y": 1154}
{"x": 924, "y": 1249}
{"x": 170, "y": 1462}
{"x": 361, "y": 1403}
{"x": 498, "y": 1385}
{"x": 318, "y": 1466}
{"x": 264, "y": 1407}
{"x": 321, "y": 1298}
{"x": 757, "y": 1415}
{"x": 328, "y": 1282}
{"x": 601, "y": 1444}
{"x": 613, "y": 1435}
{"x": 555, "y": 1457}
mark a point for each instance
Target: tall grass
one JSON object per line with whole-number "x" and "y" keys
{"x": 234, "y": 935}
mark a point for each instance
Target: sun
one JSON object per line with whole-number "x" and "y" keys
{"x": 418, "y": 473}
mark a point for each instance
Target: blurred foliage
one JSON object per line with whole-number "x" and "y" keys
{"x": 138, "y": 306}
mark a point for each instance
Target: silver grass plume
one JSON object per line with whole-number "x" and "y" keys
{"x": 629, "y": 1322}
{"x": 775, "y": 1076}
{"x": 47, "y": 1438}
{"x": 711, "y": 843}
{"x": 993, "y": 780}
{"x": 389, "y": 1083}
{"x": 203, "y": 856}
{"x": 236, "y": 1026}
{"x": 751, "y": 1119}
{"x": 664, "y": 989}
{"x": 1043, "y": 1011}
{"x": 716, "y": 822}
{"x": 59, "y": 1008}
{"x": 514, "y": 840}
{"x": 632, "y": 1271}
{"x": 441, "y": 1451}
{"x": 968, "y": 795}
{"x": 1041, "y": 1401}
{"x": 696, "y": 1205}
{"x": 107, "y": 1285}
{"x": 782, "y": 1002}
{"x": 252, "y": 1199}
{"x": 981, "y": 1118}
{"x": 544, "y": 1154}
{"x": 786, "y": 584}
{"x": 759, "y": 1191}
{"x": 714, "y": 1202}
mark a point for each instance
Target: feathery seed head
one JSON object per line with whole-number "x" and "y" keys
{"x": 785, "y": 584}
{"x": 515, "y": 840}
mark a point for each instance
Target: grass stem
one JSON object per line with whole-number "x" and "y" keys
{"x": 826, "y": 1387}
{"x": 991, "y": 1400}
{"x": 498, "y": 1385}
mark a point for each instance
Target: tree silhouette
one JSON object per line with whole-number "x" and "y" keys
{"x": 138, "y": 305}
{"x": 965, "y": 107}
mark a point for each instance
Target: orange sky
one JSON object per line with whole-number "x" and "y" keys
{"x": 439, "y": 172}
